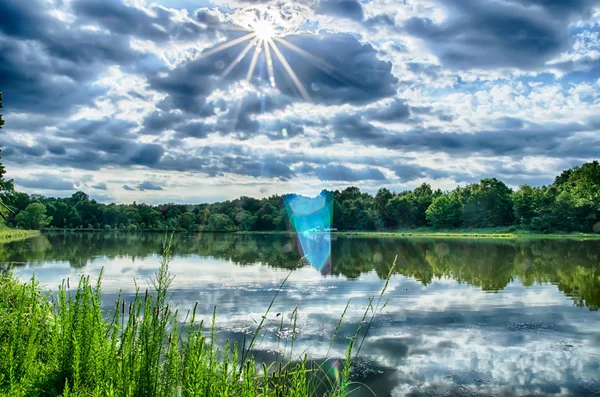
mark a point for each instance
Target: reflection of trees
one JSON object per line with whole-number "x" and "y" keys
{"x": 574, "y": 266}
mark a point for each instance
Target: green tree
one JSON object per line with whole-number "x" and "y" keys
{"x": 186, "y": 220}
{"x": 245, "y": 220}
{"x": 7, "y": 193}
{"x": 487, "y": 204}
{"x": 421, "y": 198}
{"x": 382, "y": 198}
{"x": 400, "y": 210}
{"x": 524, "y": 205}
{"x": 33, "y": 217}
{"x": 7, "y": 188}
{"x": 1, "y": 119}
{"x": 445, "y": 211}
{"x": 219, "y": 223}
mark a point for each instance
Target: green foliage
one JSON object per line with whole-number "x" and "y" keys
{"x": 33, "y": 217}
{"x": 445, "y": 211}
{"x": 219, "y": 223}
{"x": 1, "y": 119}
{"x": 487, "y": 204}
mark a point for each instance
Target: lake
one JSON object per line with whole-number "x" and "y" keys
{"x": 464, "y": 317}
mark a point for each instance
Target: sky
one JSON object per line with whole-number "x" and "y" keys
{"x": 200, "y": 101}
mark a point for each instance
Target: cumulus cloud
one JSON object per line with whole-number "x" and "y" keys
{"x": 449, "y": 86}
{"x": 147, "y": 185}
{"x": 342, "y": 8}
{"x": 46, "y": 182}
{"x": 491, "y": 34}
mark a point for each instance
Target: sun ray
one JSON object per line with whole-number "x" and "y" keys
{"x": 257, "y": 50}
{"x": 326, "y": 67}
{"x": 318, "y": 62}
{"x": 229, "y": 44}
{"x": 239, "y": 58}
{"x": 290, "y": 72}
{"x": 269, "y": 59}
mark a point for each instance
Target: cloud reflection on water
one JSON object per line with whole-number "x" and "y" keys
{"x": 443, "y": 338}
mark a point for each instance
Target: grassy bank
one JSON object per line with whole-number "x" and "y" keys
{"x": 507, "y": 233}
{"x": 7, "y": 234}
{"x": 471, "y": 234}
{"x": 65, "y": 345}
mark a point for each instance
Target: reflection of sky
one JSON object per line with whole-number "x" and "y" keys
{"x": 444, "y": 339}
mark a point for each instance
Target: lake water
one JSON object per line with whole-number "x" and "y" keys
{"x": 464, "y": 317}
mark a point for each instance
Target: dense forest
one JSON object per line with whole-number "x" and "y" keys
{"x": 570, "y": 204}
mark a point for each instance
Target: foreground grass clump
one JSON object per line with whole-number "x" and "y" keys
{"x": 64, "y": 345}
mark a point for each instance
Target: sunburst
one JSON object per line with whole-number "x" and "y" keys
{"x": 262, "y": 36}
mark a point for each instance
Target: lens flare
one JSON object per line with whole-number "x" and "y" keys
{"x": 311, "y": 220}
{"x": 334, "y": 371}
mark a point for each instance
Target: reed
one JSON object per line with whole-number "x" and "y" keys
{"x": 65, "y": 345}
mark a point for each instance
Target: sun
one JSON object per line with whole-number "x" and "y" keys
{"x": 264, "y": 30}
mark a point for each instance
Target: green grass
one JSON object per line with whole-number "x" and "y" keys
{"x": 495, "y": 233}
{"x": 8, "y": 234}
{"x": 474, "y": 233}
{"x": 65, "y": 345}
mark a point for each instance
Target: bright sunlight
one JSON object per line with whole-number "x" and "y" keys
{"x": 264, "y": 30}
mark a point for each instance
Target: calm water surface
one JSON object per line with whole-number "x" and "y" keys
{"x": 465, "y": 317}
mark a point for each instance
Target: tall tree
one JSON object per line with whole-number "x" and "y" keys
{"x": 34, "y": 217}
{"x": 382, "y": 198}
{"x": 1, "y": 120}
{"x": 487, "y": 204}
{"x": 445, "y": 211}
{"x": 7, "y": 188}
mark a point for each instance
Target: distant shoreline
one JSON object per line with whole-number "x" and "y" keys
{"x": 474, "y": 233}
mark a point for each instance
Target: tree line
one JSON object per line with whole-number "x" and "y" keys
{"x": 570, "y": 204}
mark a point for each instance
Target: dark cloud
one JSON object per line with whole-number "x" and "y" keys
{"x": 265, "y": 167}
{"x": 147, "y": 185}
{"x": 342, "y": 8}
{"x": 561, "y": 8}
{"x": 195, "y": 129}
{"x": 490, "y": 34}
{"x": 120, "y": 18}
{"x": 347, "y": 174}
{"x": 86, "y": 144}
{"x": 46, "y": 65}
{"x": 159, "y": 121}
{"x": 516, "y": 139}
{"x": 127, "y": 187}
{"x": 398, "y": 110}
{"x": 45, "y": 182}
{"x": 100, "y": 186}
{"x": 355, "y": 127}
{"x": 412, "y": 172}
{"x": 343, "y": 70}
{"x": 147, "y": 155}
